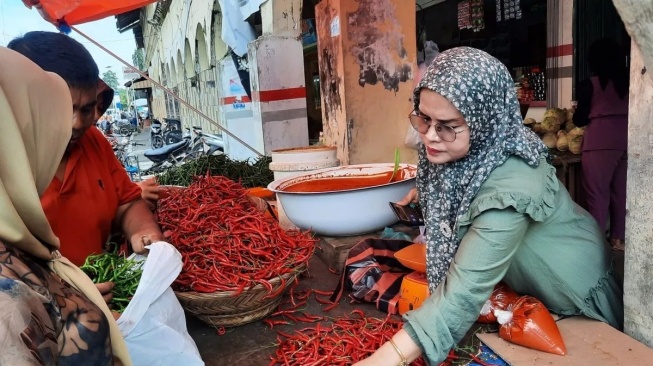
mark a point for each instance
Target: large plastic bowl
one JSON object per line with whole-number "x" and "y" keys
{"x": 346, "y": 212}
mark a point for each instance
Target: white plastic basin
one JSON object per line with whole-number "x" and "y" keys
{"x": 346, "y": 212}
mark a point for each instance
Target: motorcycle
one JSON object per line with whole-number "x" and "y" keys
{"x": 172, "y": 133}
{"x": 124, "y": 127}
{"x": 123, "y": 150}
{"x": 156, "y": 134}
{"x": 169, "y": 155}
{"x": 205, "y": 143}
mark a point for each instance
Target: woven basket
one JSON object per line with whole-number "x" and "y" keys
{"x": 225, "y": 309}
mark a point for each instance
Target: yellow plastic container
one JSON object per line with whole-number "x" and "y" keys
{"x": 414, "y": 290}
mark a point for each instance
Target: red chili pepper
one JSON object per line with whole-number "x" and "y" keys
{"x": 271, "y": 323}
{"x": 347, "y": 341}
{"x": 225, "y": 242}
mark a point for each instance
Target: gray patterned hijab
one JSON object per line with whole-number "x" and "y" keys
{"x": 482, "y": 89}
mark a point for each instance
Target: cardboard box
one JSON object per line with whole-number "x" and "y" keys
{"x": 589, "y": 342}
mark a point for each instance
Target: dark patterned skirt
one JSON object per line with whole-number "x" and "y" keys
{"x": 43, "y": 320}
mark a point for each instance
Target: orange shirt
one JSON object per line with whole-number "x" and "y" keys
{"x": 81, "y": 209}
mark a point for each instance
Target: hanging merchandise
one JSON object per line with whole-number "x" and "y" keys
{"x": 249, "y": 7}
{"x": 518, "y": 13}
{"x": 464, "y": 15}
{"x": 477, "y": 15}
{"x": 511, "y": 9}
{"x": 236, "y": 32}
{"x": 498, "y": 10}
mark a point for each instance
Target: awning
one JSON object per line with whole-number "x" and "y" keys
{"x": 140, "y": 83}
{"x": 145, "y": 84}
{"x": 74, "y": 12}
{"x": 127, "y": 21}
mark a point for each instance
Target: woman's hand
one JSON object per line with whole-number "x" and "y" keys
{"x": 411, "y": 197}
{"x": 387, "y": 355}
{"x": 150, "y": 191}
{"x": 384, "y": 356}
{"x": 105, "y": 289}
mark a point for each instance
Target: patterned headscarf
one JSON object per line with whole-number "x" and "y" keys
{"x": 481, "y": 88}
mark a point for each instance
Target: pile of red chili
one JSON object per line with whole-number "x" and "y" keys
{"x": 345, "y": 341}
{"x": 226, "y": 243}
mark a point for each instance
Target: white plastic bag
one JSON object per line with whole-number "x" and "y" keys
{"x": 153, "y": 324}
{"x": 420, "y": 238}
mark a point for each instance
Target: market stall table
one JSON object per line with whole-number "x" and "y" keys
{"x": 569, "y": 171}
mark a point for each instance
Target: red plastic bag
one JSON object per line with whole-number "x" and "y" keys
{"x": 502, "y": 296}
{"x": 528, "y": 323}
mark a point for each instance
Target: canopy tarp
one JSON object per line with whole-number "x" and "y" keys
{"x": 74, "y": 12}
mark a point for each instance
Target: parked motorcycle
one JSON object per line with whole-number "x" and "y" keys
{"x": 156, "y": 134}
{"x": 172, "y": 132}
{"x": 124, "y": 127}
{"x": 169, "y": 155}
{"x": 123, "y": 150}
{"x": 205, "y": 143}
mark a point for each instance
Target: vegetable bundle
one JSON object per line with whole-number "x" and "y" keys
{"x": 345, "y": 341}
{"x": 124, "y": 273}
{"x": 226, "y": 243}
{"x": 256, "y": 174}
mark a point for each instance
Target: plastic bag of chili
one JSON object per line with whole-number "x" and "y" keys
{"x": 528, "y": 323}
{"x": 502, "y": 296}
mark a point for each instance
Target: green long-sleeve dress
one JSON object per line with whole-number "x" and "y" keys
{"x": 522, "y": 227}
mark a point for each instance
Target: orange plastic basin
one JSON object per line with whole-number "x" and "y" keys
{"x": 413, "y": 257}
{"x": 261, "y": 192}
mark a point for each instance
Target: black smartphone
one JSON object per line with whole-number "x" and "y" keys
{"x": 410, "y": 215}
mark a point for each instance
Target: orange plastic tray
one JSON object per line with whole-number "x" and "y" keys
{"x": 413, "y": 257}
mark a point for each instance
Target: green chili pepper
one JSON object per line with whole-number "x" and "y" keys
{"x": 124, "y": 273}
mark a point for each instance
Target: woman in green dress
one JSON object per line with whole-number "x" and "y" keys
{"x": 494, "y": 211}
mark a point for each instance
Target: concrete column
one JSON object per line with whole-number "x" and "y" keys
{"x": 276, "y": 64}
{"x": 637, "y": 15}
{"x": 279, "y": 91}
{"x": 638, "y": 267}
{"x": 236, "y": 114}
{"x": 560, "y": 53}
{"x": 367, "y": 53}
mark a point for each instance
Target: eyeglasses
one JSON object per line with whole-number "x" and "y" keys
{"x": 422, "y": 125}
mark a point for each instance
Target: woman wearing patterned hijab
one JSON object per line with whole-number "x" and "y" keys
{"x": 494, "y": 211}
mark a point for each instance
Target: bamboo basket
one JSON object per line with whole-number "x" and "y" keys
{"x": 223, "y": 309}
